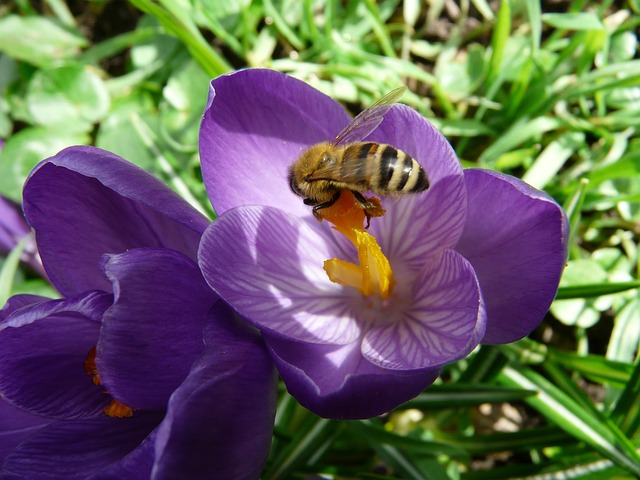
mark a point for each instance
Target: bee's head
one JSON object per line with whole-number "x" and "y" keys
{"x": 307, "y": 164}
{"x": 293, "y": 183}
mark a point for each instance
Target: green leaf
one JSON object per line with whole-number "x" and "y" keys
{"x": 625, "y": 337}
{"x": 40, "y": 41}
{"x": 583, "y": 312}
{"x": 25, "y": 149}
{"x": 71, "y": 95}
{"x": 118, "y": 134}
{"x": 186, "y": 96}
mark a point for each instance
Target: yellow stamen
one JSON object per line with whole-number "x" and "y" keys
{"x": 373, "y": 276}
{"x": 90, "y": 367}
{"x": 118, "y": 410}
{"x": 115, "y": 408}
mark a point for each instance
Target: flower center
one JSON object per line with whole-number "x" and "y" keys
{"x": 373, "y": 276}
{"x": 115, "y": 408}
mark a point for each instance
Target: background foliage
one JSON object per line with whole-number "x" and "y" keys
{"x": 549, "y": 92}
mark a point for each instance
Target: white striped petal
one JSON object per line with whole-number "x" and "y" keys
{"x": 443, "y": 323}
{"x": 271, "y": 272}
{"x": 417, "y": 227}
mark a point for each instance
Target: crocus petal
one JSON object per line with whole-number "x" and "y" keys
{"x": 12, "y": 225}
{"x": 84, "y": 202}
{"x": 335, "y": 381}
{"x": 153, "y": 332}
{"x": 268, "y": 266}
{"x": 76, "y": 450}
{"x": 440, "y": 325}
{"x": 16, "y": 425}
{"x": 42, "y": 357}
{"x": 138, "y": 463}
{"x": 419, "y": 225}
{"x": 516, "y": 240}
{"x": 220, "y": 420}
{"x": 257, "y": 122}
{"x": 406, "y": 129}
{"x": 19, "y": 301}
{"x": 13, "y": 229}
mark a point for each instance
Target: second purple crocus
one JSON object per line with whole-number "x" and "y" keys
{"x": 177, "y": 387}
{"x": 475, "y": 259}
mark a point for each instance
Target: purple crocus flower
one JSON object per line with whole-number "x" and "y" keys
{"x": 475, "y": 259}
{"x": 197, "y": 389}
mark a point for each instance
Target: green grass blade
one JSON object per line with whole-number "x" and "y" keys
{"x": 309, "y": 437}
{"x": 464, "y": 395}
{"x": 185, "y": 30}
{"x": 626, "y": 412}
{"x": 559, "y": 408}
{"x": 595, "y": 290}
{"x": 594, "y": 367}
{"x": 376, "y": 434}
{"x": 499, "y": 41}
{"x": 282, "y": 26}
{"x": 9, "y": 269}
{"x": 522, "y": 441}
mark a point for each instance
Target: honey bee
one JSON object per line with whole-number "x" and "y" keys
{"x": 325, "y": 169}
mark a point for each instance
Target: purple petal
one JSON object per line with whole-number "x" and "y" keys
{"x": 516, "y": 240}
{"x": 15, "y": 426}
{"x": 13, "y": 226}
{"x": 256, "y": 124}
{"x": 78, "y": 449}
{"x": 336, "y": 381}
{"x": 138, "y": 463}
{"x": 443, "y": 322}
{"x": 220, "y": 420}
{"x": 153, "y": 332}
{"x": 406, "y": 129}
{"x": 418, "y": 227}
{"x": 268, "y": 266}
{"x": 421, "y": 225}
{"x": 44, "y": 346}
{"x": 19, "y": 301}
{"x": 84, "y": 202}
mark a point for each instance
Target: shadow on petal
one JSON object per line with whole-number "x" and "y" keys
{"x": 336, "y": 381}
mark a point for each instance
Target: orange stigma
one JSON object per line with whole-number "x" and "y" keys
{"x": 373, "y": 276}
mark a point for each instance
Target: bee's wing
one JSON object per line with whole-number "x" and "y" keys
{"x": 332, "y": 172}
{"x": 368, "y": 120}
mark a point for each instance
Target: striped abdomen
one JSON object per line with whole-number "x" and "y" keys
{"x": 382, "y": 169}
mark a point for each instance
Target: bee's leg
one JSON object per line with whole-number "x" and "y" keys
{"x": 320, "y": 206}
{"x": 366, "y": 205}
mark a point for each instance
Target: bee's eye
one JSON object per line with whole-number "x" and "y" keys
{"x": 293, "y": 184}
{"x": 327, "y": 159}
